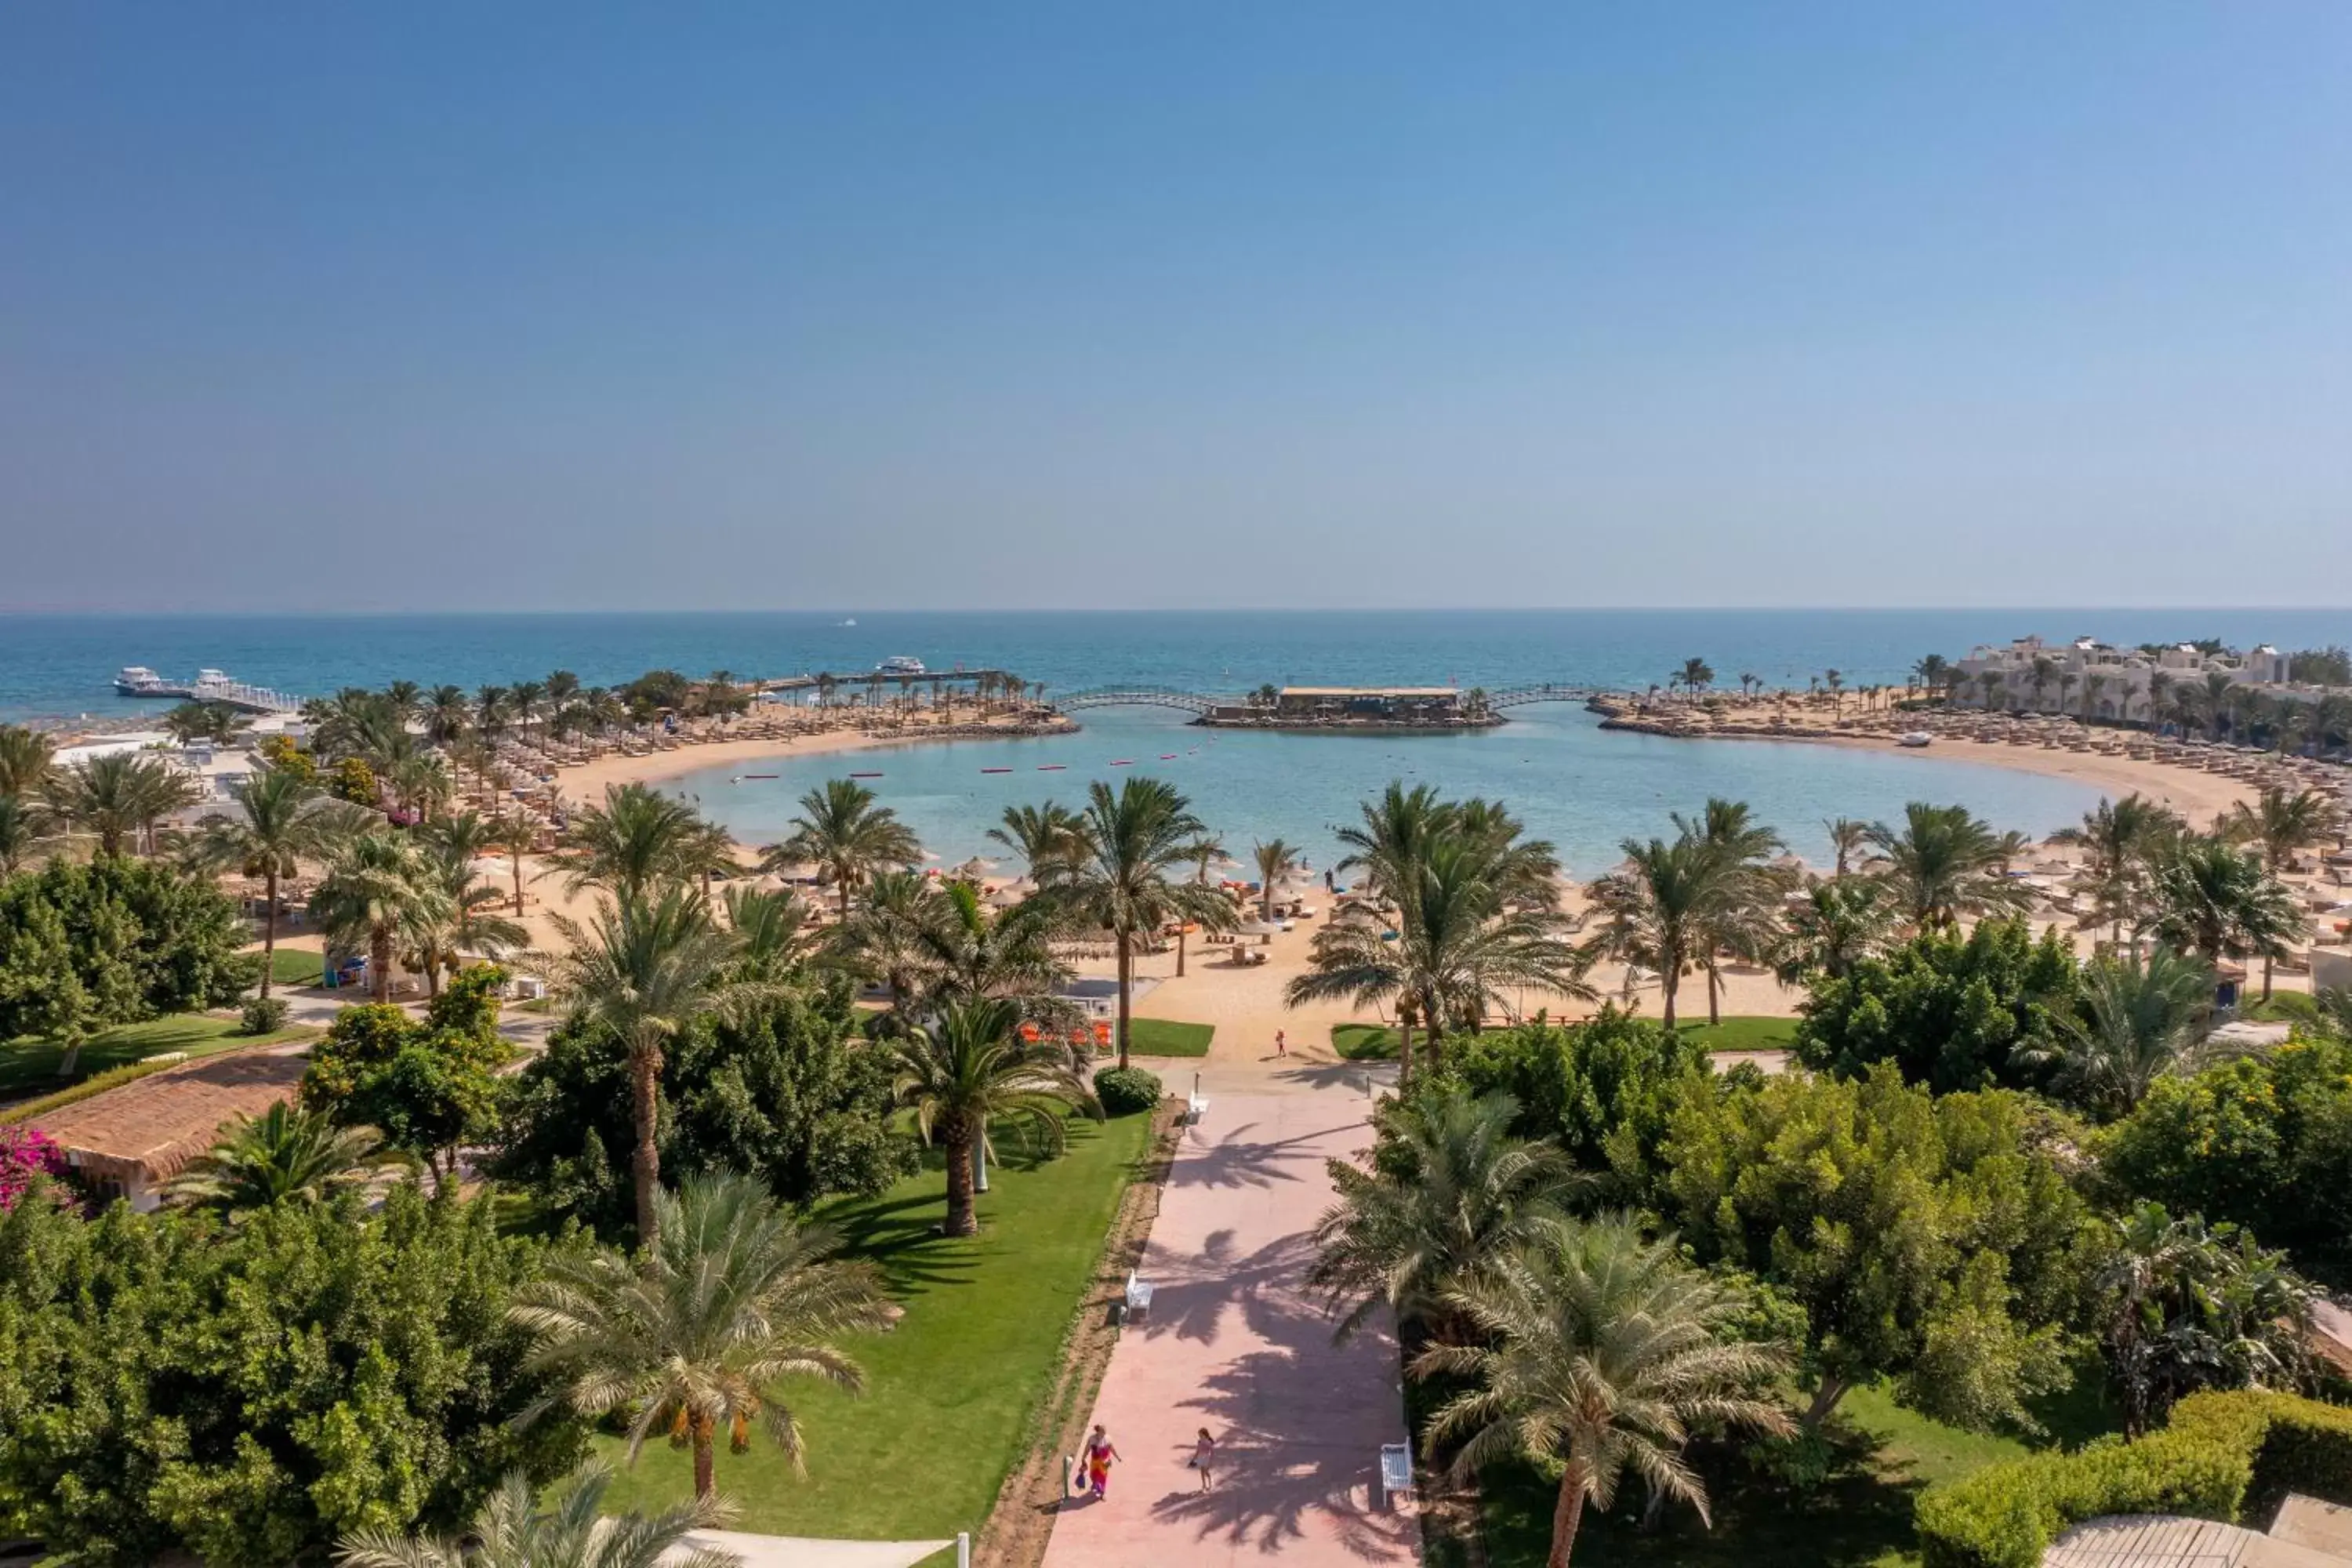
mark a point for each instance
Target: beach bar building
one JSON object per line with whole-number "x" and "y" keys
{"x": 1319, "y": 705}
{"x": 129, "y": 1142}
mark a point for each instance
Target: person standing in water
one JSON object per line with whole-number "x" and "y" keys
{"x": 1100, "y": 1457}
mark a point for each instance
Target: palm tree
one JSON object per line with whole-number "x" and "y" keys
{"x": 772, "y": 931}
{"x": 27, "y": 828}
{"x": 645, "y": 968}
{"x": 730, "y": 1297}
{"x": 1662, "y": 908}
{"x": 465, "y": 921}
{"x": 1840, "y": 922}
{"x": 490, "y": 711}
{"x": 445, "y": 714}
{"x": 527, "y": 701}
{"x": 841, "y": 830}
{"x": 1460, "y": 942}
{"x": 1274, "y": 860}
{"x": 1453, "y": 1189}
{"x": 509, "y": 1531}
{"x": 285, "y": 1155}
{"x": 1039, "y": 833}
{"x": 2045, "y": 670}
{"x": 378, "y": 893}
{"x": 1695, "y": 676}
{"x": 967, "y": 952}
{"x": 119, "y": 796}
{"x": 635, "y": 843}
{"x": 882, "y": 940}
{"x": 282, "y": 820}
{"x": 1944, "y": 863}
{"x": 25, "y": 756}
{"x": 2281, "y": 825}
{"x": 1742, "y": 922}
{"x": 215, "y": 722}
{"x": 2140, "y": 1019}
{"x": 516, "y": 833}
{"x": 422, "y": 783}
{"x": 1848, "y": 839}
{"x": 1933, "y": 671}
{"x": 1123, "y": 881}
{"x": 970, "y": 1066}
{"x": 2214, "y": 898}
{"x": 1599, "y": 1353}
{"x": 2124, "y": 839}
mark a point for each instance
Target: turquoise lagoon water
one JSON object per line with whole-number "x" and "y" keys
{"x": 1583, "y": 788}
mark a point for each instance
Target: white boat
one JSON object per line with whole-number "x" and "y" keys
{"x": 211, "y": 679}
{"x": 1915, "y": 739}
{"x": 899, "y": 664}
{"x": 138, "y": 680}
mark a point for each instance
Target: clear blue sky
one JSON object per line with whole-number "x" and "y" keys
{"x": 395, "y": 306}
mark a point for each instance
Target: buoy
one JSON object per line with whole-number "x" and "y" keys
{"x": 865, "y": 776}
{"x": 1123, "y": 763}
{"x": 1051, "y": 767}
{"x": 996, "y": 770}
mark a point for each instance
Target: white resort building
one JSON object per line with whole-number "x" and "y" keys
{"x": 2095, "y": 680}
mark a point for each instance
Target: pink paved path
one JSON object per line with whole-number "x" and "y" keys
{"x": 1233, "y": 1343}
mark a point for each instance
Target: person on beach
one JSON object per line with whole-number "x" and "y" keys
{"x": 1281, "y": 1043}
{"x": 1100, "y": 1457}
{"x": 1204, "y": 1456}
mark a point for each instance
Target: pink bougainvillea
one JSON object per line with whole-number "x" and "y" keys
{"x": 26, "y": 1153}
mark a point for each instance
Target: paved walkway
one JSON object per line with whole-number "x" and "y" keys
{"x": 1233, "y": 1343}
{"x": 801, "y": 1551}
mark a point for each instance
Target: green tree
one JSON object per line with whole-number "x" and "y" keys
{"x": 1040, "y": 834}
{"x": 773, "y": 930}
{"x": 699, "y": 1334}
{"x": 970, "y": 1067}
{"x": 1950, "y": 1012}
{"x": 26, "y": 755}
{"x": 1665, "y": 909}
{"x": 2125, "y": 840}
{"x": 644, "y": 969}
{"x": 2185, "y": 1308}
{"x": 1450, "y": 1189}
{"x": 281, "y": 820}
{"x": 213, "y": 723}
{"x": 633, "y": 844}
{"x": 28, "y": 828}
{"x": 1600, "y": 1353}
{"x": 247, "y": 1392}
{"x": 1836, "y": 925}
{"x": 1274, "y": 861}
{"x": 510, "y": 1531}
{"x": 118, "y": 798}
{"x": 2139, "y": 1019}
{"x": 1127, "y": 881}
{"x": 1929, "y": 1239}
{"x": 285, "y": 1155}
{"x": 2218, "y": 900}
{"x": 1944, "y": 863}
{"x": 378, "y": 893}
{"x": 847, "y": 835}
{"x": 428, "y": 1085}
{"x": 2281, "y": 825}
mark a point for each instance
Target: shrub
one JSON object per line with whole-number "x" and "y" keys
{"x": 1125, "y": 1091}
{"x": 26, "y": 1153}
{"x": 2225, "y": 1456}
{"x": 96, "y": 1083}
{"x": 264, "y": 1015}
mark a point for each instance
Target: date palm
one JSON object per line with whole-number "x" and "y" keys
{"x": 772, "y": 931}
{"x": 28, "y": 828}
{"x": 1126, "y": 879}
{"x": 286, "y": 1155}
{"x": 2123, "y": 840}
{"x": 882, "y": 940}
{"x": 1944, "y": 863}
{"x": 1600, "y": 1352}
{"x": 967, "y": 952}
{"x": 2281, "y": 824}
{"x": 1459, "y": 944}
{"x": 1274, "y": 861}
{"x": 118, "y": 798}
{"x": 633, "y": 845}
{"x": 491, "y": 711}
{"x": 645, "y": 968}
{"x": 446, "y": 714}
{"x": 1743, "y": 922}
{"x": 378, "y": 894}
{"x": 968, "y": 1067}
{"x": 282, "y": 819}
{"x": 1839, "y": 923}
{"x": 843, "y": 830}
{"x": 516, "y": 835}
{"x": 1848, "y": 839}
{"x": 467, "y": 920}
{"x": 1665, "y": 908}
{"x": 2214, "y": 898}
{"x": 730, "y": 1298}
{"x": 1040, "y": 833}
{"x": 1453, "y": 1189}
{"x": 509, "y": 1531}
{"x": 26, "y": 758}
{"x": 2141, "y": 1018}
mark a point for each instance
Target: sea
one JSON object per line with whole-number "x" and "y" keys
{"x": 1585, "y": 789}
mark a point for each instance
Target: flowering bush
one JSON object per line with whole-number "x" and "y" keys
{"x": 26, "y": 1153}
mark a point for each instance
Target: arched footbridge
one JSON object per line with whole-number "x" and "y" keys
{"x": 1202, "y": 702}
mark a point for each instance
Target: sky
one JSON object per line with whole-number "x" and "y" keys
{"x": 1028, "y": 305}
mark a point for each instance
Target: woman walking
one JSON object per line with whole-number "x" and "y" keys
{"x": 1204, "y": 1456}
{"x": 1100, "y": 1457}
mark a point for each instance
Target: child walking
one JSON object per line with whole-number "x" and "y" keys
{"x": 1204, "y": 1456}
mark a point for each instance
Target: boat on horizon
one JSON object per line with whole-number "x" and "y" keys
{"x": 899, "y": 664}
{"x": 138, "y": 680}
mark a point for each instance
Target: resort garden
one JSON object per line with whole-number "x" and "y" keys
{"x": 727, "y": 1234}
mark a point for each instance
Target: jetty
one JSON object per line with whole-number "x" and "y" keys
{"x": 1393, "y": 709}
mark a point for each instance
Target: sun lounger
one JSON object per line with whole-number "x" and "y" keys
{"x": 1396, "y": 1472}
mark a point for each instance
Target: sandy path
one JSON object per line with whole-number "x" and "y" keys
{"x": 1233, "y": 1342}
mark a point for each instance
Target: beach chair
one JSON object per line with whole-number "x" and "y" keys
{"x": 1396, "y": 1472}
{"x": 1196, "y": 1106}
{"x": 1138, "y": 1295}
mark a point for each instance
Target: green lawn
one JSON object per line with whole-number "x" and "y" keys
{"x": 30, "y": 1067}
{"x": 296, "y": 966}
{"x": 952, "y": 1390}
{"x": 1364, "y": 1042}
{"x": 1167, "y": 1037}
{"x": 1859, "y": 1518}
{"x": 1742, "y": 1033}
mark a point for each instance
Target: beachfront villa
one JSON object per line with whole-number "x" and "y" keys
{"x": 1386, "y": 707}
{"x": 2098, "y": 680}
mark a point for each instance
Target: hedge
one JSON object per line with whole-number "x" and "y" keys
{"x": 1125, "y": 1091}
{"x": 96, "y": 1083}
{"x": 2225, "y": 1456}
